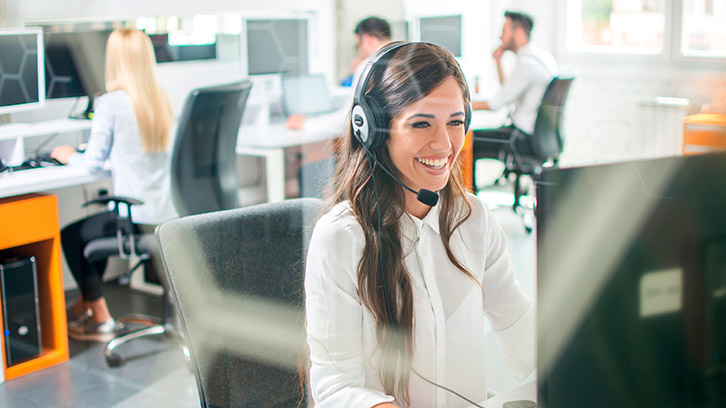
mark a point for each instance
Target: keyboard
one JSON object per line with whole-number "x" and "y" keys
{"x": 37, "y": 161}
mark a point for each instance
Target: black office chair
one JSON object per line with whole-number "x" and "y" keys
{"x": 128, "y": 244}
{"x": 203, "y": 178}
{"x": 204, "y": 160}
{"x": 523, "y": 154}
{"x": 237, "y": 279}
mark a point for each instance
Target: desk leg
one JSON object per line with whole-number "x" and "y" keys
{"x": 275, "y": 174}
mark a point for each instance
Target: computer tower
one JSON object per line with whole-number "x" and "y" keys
{"x": 21, "y": 322}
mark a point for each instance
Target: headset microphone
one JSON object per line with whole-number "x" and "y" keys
{"x": 428, "y": 197}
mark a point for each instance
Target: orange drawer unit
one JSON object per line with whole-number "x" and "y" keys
{"x": 704, "y": 132}
{"x": 29, "y": 229}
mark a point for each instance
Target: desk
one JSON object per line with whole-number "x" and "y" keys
{"x": 526, "y": 391}
{"x": 45, "y": 178}
{"x": 269, "y": 142}
{"x": 12, "y": 145}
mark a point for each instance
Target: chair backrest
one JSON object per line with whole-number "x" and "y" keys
{"x": 547, "y": 136}
{"x": 237, "y": 279}
{"x": 203, "y": 162}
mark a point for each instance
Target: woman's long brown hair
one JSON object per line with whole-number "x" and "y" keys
{"x": 414, "y": 70}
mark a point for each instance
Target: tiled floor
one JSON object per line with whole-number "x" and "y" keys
{"x": 156, "y": 374}
{"x": 155, "y": 371}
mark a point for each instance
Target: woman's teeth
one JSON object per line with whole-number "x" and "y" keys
{"x": 437, "y": 164}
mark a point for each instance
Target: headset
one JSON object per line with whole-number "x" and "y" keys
{"x": 370, "y": 121}
{"x": 371, "y": 126}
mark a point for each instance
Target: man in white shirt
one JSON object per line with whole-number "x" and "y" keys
{"x": 371, "y": 34}
{"x": 524, "y": 87}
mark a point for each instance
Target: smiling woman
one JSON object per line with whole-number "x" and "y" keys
{"x": 426, "y": 139}
{"x": 398, "y": 283}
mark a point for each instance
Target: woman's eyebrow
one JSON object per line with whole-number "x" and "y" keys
{"x": 421, "y": 115}
{"x": 430, "y": 116}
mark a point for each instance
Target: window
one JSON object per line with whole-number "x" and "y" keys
{"x": 620, "y": 26}
{"x": 675, "y": 30}
{"x": 704, "y": 28}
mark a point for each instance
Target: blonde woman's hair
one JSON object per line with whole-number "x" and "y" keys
{"x": 130, "y": 67}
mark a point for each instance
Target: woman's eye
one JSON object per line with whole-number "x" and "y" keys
{"x": 456, "y": 123}
{"x": 419, "y": 125}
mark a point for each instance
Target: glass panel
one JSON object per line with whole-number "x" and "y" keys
{"x": 616, "y": 26}
{"x": 704, "y": 31}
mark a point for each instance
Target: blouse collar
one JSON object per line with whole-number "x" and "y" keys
{"x": 412, "y": 226}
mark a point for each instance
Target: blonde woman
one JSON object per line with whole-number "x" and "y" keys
{"x": 131, "y": 129}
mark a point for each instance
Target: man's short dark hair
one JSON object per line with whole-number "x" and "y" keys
{"x": 521, "y": 20}
{"x": 375, "y": 27}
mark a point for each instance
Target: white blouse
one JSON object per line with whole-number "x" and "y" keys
{"x": 449, "y": 311}
{"x": 526, "y": 85}
{"x": 135, "y": 173}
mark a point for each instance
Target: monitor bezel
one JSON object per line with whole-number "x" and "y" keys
{"x": 27, "y": 106}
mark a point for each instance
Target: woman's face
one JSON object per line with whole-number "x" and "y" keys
{"x": 427, "y": 136}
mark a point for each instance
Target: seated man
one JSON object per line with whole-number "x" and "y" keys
{"x": 524, "y": 88}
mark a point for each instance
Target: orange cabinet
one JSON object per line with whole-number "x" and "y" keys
{"x": 29, "y": 227}
{"x": 703, "y": 133}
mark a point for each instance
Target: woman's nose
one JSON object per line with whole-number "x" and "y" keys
{"x": 441, "y": 140}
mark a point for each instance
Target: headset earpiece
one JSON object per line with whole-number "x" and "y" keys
{"x": 467, "y": 118}
{"x": 370, "y": 127}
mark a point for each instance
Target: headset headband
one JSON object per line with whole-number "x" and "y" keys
{"x": 368, "y": 70}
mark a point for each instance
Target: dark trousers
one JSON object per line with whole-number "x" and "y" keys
{"x": 500, "y": 142}
{"x": 74, "y": 237}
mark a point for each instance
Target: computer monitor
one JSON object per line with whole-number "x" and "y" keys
{"x": 305, "y": 95}
{"x": 632, "y": 284}
{"x": 75, "y": 63}
{"x": 21, "y": 74}
{"x": 444, "y": 31}
{"x": 277, "y": 46}
{"x": 166, "y": 52}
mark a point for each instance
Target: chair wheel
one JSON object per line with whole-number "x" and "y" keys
{"x": 114, "y": 360}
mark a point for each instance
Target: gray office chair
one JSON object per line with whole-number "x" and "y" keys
{"x": 204, "y": 159}
{"x": 203, "y": 179}
{"x": 524, "y": 154}
{"x": 237, "y": 279}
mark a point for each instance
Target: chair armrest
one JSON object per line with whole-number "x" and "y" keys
{"x": 113, "y": 199}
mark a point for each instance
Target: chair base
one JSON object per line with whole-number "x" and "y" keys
{"x": 153, "y": 327}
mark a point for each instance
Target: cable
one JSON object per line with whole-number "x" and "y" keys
{"x": 44, "y": 142}
{"x": 75, "y": 103}
{"x": 385, "y": 288}
{"x": 445, "y": 388}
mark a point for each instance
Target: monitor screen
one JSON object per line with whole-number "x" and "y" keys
{"x": 277, "y": 46}
{"x": 75, "y": 63}
{"x": 632, "y": 284}
{"x": 166, "y": 52}
{"x": 443, "y": 31}
{"x": 21, "y": 70}
{"x": 305, "y": 95}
